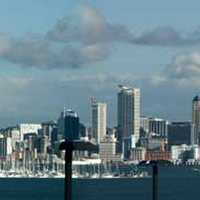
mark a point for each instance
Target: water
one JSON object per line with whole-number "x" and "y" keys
{"x": 174, "y": 184}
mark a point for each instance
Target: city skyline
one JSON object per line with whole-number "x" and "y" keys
{"x": 158, "y": 54}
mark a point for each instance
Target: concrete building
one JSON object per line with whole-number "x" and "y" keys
{"x": 108, "y": 149}
{"x": 153, "y": 142}
{"x": 99, "y": 120}
{"x": 28, "y": 128}
{"x": 184, "y": 152}
{"x": 128, "y": 115}
{"x": 138, "y": 154}
{"x": 144, "y": 126}
{"x": 60, "y": 124}
{"x": 158, "y": 127}
{"x": 196, "y": 118}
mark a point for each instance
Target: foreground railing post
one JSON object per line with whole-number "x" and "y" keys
{"x": 68, "y": 170}
{"x": 155, "y": 181}
{"x": 69, "y": 147}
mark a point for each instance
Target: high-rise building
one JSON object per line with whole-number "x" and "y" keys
{"x": 128, "y": 117}
{"x": 181, "y": 133}
{"x": 158, "y": 126}
{"x": 196, "y": 118}
{"x": 71, "y": 125}
{"x": 99, "y": 118}
{"x": 60, "y": 124}
{"x": 144, "y": 126}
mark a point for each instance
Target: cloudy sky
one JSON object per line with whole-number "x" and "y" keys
{"x": 60, "y": 53}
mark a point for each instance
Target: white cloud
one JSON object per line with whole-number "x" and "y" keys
{"x": 82, "y": 39}
{"x": 184, "y": 67}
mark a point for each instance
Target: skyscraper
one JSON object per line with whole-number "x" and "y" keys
{"x": 181, "y": 133}
{"x": 128, "y": 117}
{"x": 71, "y": 125}
{"x": 99, "y": 118}
{"x": 196, "y": 117}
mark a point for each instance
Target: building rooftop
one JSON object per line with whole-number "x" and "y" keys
{"x": 196, "y": 98}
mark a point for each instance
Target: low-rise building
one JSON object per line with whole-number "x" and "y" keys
{"x": 138, "y": 154}
{"x": 157, "y": 155}
{"x": 185, "y": 152}
{"x": 107, "y": 149}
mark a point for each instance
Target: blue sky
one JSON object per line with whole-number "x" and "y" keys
{"x": 56, "y": 53}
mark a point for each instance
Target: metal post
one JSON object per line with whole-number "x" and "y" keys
{"x": 68, "y": 171}
{"x": 69, "y": 147}
{"x": 155, "y": 181}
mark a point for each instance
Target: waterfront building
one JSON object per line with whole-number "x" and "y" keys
{"x": 181, "y": 133}
{"x": 196, "y": 118}
{"x": 71, "y": 125}
{"x": 108, "y": 149}
{"x": 138, "y": 154}
{"x": 128, "y": 115}
{"x": 157, "y": 155}
{"x": 99, "y": 119}
{"x": 185, "y": 152}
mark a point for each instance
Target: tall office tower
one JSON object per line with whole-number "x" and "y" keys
{"x": 196, "y": 117}
{"x": 60, "y": 124}
{"x": 181, "y": 133}
{"x": 128, "y": 118}
{"x": 99, "y": 119}
{"x": 71, "y": 125}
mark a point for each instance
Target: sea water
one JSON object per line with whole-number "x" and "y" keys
{"x": 174, "y": 184}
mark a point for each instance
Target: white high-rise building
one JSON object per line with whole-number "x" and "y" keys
{"x": 99, "y": 119}
{"x": 128, "y": 117}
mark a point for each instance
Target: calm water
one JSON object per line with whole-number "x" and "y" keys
{"x": 175, "y": 184}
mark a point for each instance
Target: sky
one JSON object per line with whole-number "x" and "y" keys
{"x": 61, "y": 53}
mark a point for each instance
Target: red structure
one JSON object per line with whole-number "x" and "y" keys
{"x": 157, "y": 155}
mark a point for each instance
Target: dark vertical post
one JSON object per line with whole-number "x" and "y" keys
{"x": 155, "y": 181}
{"x": 69, "y": 146}
{"x": 68, "y": 170}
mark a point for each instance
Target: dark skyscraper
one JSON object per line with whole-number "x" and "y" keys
{"x": 180, "y": 133}
{"x": 71, "y": 125}
{"x": 196, "y": 117}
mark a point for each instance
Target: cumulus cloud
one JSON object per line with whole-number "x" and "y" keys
{"x": 41, "y": 53}
{"x": 84, "y": 38}
{"x": 88, "y": 26}
{"x": 184, "y": 66}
